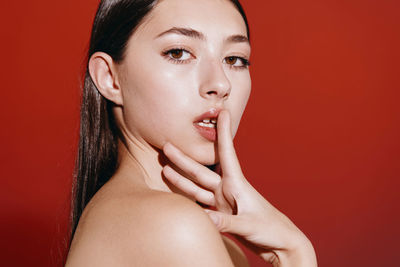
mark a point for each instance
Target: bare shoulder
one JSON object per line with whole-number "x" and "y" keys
{"x": 147, "y": 228}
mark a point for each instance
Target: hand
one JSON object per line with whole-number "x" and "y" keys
{"x": 240, "y": 209}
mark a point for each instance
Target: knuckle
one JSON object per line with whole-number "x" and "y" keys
{"x": 195, "y": 173}
{"x": 223, "y": 224}
{"x": 211, "y": 199}
{"x": 179, "y": 182}
{"x": 197, "y": 194}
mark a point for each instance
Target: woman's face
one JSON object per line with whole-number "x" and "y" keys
{"x": 185, "y": 62}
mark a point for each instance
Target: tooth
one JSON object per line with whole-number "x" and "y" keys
{"x": 206, "y": 120}
{"x": 214, "y": 121}
{"x": 208, "y": 125}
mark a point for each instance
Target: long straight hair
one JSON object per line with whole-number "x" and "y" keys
{"x": 97, "y": 158}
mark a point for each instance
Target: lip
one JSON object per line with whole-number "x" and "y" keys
{"x": 208, "y": 133}
{"x": 212, "y": 114}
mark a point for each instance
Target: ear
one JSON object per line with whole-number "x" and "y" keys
{"x": 103, "y": 72}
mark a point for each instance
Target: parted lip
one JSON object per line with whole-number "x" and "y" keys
{"x": 210, "y": 114}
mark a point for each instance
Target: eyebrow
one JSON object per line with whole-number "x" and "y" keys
{"x": 237, "y": 38}
{"x": 184, "y": 31}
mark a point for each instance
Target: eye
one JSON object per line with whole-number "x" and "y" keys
{"x": 231, "y": 60}
{"x": 177, "y": 54}
{"x": 237, "y": 62}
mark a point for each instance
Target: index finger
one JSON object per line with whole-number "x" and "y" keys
{"x": 226, "y": 151}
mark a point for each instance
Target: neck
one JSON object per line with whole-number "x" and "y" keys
{"x": 142, "y": 164}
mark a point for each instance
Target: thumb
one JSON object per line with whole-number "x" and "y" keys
{"x": 227, "y": 223}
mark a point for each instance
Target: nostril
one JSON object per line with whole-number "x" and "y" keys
{"x": 212, "y": 93}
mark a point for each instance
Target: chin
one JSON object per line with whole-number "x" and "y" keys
{"x": 205, "y": 154}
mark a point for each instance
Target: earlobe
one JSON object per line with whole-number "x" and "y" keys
{"x": 102, "y": 71}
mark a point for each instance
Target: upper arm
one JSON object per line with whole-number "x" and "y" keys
{"x": 168, "y": 230}
{"x": 183, "y": 235}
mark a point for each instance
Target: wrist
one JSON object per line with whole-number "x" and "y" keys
{"x": 301, "y": 254}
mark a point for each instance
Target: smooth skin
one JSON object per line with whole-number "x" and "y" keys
{"x": 186, "y": 58}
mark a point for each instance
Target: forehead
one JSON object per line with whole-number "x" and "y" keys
{"x": 214, "y": 18}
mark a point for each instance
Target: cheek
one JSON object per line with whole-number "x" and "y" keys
{"x": 155, "y": 97}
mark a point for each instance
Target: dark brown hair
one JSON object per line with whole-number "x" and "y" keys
{"x": 97, "y": 159}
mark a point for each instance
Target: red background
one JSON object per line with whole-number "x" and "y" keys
{"x": 320, "y": 137}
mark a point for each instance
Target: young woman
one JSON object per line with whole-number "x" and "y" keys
{"x": 157, "y": 176}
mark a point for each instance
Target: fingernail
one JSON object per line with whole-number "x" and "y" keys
{"x": 168, "y": 147}
{"x": 165, "y": 145}
{"x": 171, "y": 146}
{"x": 166, "y": 169}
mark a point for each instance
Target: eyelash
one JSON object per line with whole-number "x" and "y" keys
{"x": 167, "y": 55}
{"x": 245, "y": 62}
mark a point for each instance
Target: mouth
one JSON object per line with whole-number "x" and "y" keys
{"x": 206, "y": 124}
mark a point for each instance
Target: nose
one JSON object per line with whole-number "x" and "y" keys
{"x": 214, "y": 82}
